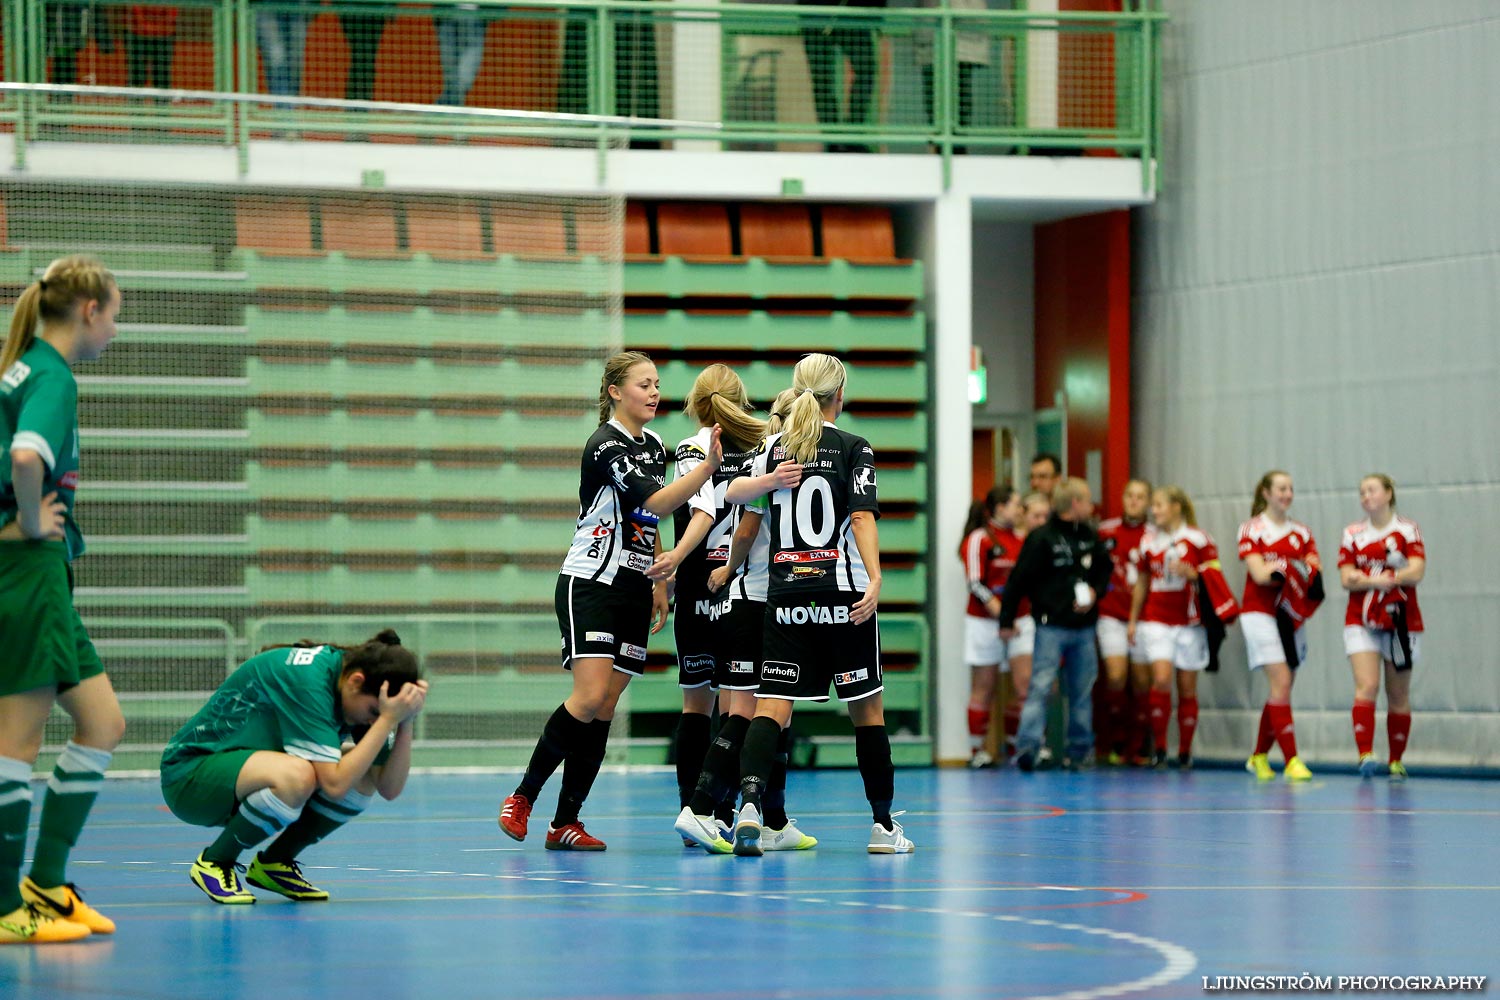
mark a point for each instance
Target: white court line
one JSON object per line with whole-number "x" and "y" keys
{"x": 1178, "y": 961}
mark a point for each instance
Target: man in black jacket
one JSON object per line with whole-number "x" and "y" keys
{"x": 1063, "y": 567}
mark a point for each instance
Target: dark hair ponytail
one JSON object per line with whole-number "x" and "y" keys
{"x": 981, "y": 511}
{"x": 382, "y": 659}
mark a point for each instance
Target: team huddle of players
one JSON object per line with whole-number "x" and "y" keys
{"x": 1163, "y": 617}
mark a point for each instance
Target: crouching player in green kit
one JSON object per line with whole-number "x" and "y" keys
{"x": 264, "y": 757}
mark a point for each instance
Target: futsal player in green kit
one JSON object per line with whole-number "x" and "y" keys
{"x": 66, "y": 316}
{"x": 269, "y": 756}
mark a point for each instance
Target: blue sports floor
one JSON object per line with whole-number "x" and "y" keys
{"x": 1105, "y": 884}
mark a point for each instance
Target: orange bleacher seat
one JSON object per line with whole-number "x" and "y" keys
{"x": 593, "y": 236}
{"x": 360, "y": 227}
{"x": 528, "y": 229}
{"x": 858, "y": 233}
{"x": 779, "y": 230}
{"x": 637, "y": 230}
{"x": 447, "y": 230}
{"x": 274, "y": 225}
{"x": 693, "y": 229}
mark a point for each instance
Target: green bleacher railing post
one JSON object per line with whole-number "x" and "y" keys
{"x": 944, "y": 80}
{"x": 602, "y": 80}
{"x": 244, "y": 32}
{"x": 1021, "y": 42}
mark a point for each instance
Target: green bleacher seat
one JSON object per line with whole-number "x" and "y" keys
{"x": 424, "y": 326}
{"x": 420, "y": 429}
{"x": 424, "y": 533}
{"x": 420, "y": 273}
{"x": 677, "y": 277}
{"x": 339, "y": 480}
{"x": 836, "y": 332}
{"x": 420, "y": 586}
{"x": 763, "y": 379}
{"x": 426, "y": 378}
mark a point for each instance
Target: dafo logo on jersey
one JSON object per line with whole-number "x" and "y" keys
{"x": 812, "y": 614}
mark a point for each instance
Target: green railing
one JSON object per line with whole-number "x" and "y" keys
{"x": 748, "y": 76}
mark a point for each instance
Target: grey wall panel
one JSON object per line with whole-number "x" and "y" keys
{"x": 1317, "y": 289}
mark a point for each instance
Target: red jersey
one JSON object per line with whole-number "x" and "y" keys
{"x": 1121, "y": 538}
{"x": 989, "y": 554}
{"x": 1172, "y": 599}
{"x": 1375, "y": 551}
{"x": 1278, "y": 545}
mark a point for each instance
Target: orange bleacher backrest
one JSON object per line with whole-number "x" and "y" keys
{"x": 595, "y": 236}
{"x": 637, "y": 229}
{"x": 526, "y": 228}
{"x": 780, "y": 230}
{"x": 360, "y": 226}
{"x": 693, "y": 229}
{"x": 277, "y": 225}
{"x": 858, "y": 232}
{"x": 4, "y": 228}
{"x": 445, "y": 229}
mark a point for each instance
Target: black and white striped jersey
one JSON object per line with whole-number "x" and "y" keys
{"x": 615, "y": 541}
{"x": 811, "y": 529}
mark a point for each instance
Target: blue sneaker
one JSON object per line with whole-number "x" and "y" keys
{"x": 1368, "y": 765}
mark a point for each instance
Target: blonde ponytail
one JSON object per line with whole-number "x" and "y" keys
{"x": 718, "y": 397}
{"x": 780, "y": 408}
{"x": 52, "y": 298}
{"x": 817, "y": 379}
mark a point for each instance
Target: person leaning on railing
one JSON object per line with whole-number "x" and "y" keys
{"x": 972, "y": 49}
{"x": 281, "y": 34}
{"x": 827, "y": 45}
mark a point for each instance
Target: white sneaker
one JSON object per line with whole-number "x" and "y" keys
{"x": 747, "y": 831}
{"x": 892, "y": 841}
{"x": 702, "y": 831}
{"x": 788, "y": 838}
{"x": 981, "y": 759}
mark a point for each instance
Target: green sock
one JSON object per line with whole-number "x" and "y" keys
{"x": 322, "y": 817}
{"x": 15, "y": 810}
{"x": 260, "y": 815}
{"x": 71, "y": 791}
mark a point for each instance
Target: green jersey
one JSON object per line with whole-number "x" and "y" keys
{"x": 39, "y": 412}
{"x": 284, "y": 700}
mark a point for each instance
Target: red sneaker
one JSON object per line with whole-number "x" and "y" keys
{"x": 513, "y": 816}
{"x": 572, "y": 837}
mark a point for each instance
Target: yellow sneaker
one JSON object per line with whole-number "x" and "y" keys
{"x": 28, "y": 925}
{"x": 1259, "y": 766}
{"x": 65, "y": 903}
{"x": 1398, "y": 771}
{"x": 1296, "y": 770}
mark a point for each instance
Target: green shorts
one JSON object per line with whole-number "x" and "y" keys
{"x": 44, "y": 640}
{"x": 201, "y": 791}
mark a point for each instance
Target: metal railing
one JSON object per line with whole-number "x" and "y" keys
{"x": 744, "y": 75}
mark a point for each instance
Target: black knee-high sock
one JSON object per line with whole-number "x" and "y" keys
{"x": 872, "y": 748}
{"x": 775, "y": 794}
{"x": 756, "y": 758}
{"x": 721, "y": 768}
{"x": 579, "y": 772}
{"x": 560, "y": 737}
{"x": 692, "y": 748}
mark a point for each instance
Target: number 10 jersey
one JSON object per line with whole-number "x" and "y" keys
{"x": 811, "y": 529}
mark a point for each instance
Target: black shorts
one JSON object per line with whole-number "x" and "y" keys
{"x": 597, "y": 619}
{"x": 698, "y": 629}
{"x": 811, "y": 643}
{"x": 744, "y": 638}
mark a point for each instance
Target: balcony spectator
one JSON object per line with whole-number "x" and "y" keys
{"x": 827, "y": 46}
{"x": 362, "y": 32}
{"x": 150, "y": 38}
{"x": 971, "y": 51}
{"x": 281, "y": 34}
{"x": 461, "y": 51}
